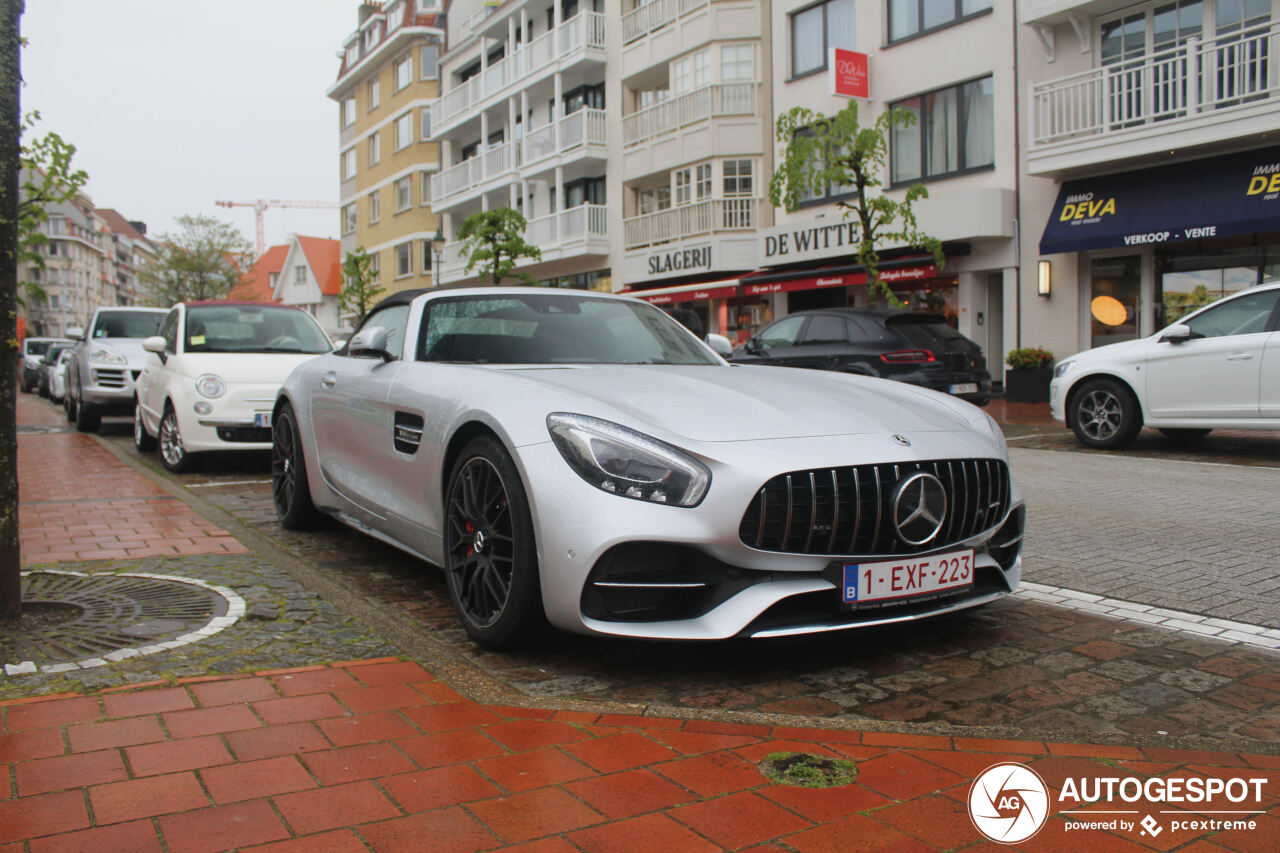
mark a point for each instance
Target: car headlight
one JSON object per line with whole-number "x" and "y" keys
{"x": 1062, "y": 368}
{"x": 102, "y": 355}
{"x": 211, "y": 386}
{"x": 627, "y": 463}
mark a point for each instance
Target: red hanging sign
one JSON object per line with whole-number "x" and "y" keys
{"x": 849, "y": 73}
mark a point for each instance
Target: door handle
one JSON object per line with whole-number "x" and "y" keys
{"x": 1240, "y": 356}
{"x": 329, "y": 379}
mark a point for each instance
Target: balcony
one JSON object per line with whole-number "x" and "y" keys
{"x": 558, "y": 48}
{"x": 691, "y": 220}
{"x": 643, "y": 20}
{"x": 582, "y": 230}
{"x": 578, "y": 134}
{"x": 674, "y": 114}
{"x": 1200, "y": 93}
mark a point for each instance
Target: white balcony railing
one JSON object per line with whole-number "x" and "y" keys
{"x": 584, "y": 30}
{"x": 575, "y": 225}
{"x": 1192, "y": 81}
{"x": 669, "y": 116}
{"x": 576, "y": 132}
{"x": 691, "y": 220}
{"x": 643, "y": 20}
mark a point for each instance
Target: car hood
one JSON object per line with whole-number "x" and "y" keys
{"x": 743, "y": 403}
{"x": 1122, "y": 352}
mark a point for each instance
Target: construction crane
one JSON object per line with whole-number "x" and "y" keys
{"x": 260, "y": 206}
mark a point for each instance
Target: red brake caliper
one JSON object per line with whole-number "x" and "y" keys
{"x": 471, "y": 547}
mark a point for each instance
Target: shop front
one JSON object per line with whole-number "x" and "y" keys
{"x": 1154, "y": 244}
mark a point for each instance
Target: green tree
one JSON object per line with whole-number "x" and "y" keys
{"x": 359, "y": 284}
{"x": 837, "y": 151}
{"x": 204, "y": 260}
{"x": 47, "y": 179}
{"x": 10, "y": 157}
{"x": 494, "y": 241}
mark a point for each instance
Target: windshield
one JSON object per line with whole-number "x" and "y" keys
{"x": 253, "y": 328}
{"x": 558, "y": 328}
{"x": 126, "y": 324}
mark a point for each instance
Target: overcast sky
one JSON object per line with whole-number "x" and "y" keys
{"x": 175, "y": 104}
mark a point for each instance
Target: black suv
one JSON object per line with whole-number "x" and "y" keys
{"x": 912, "y": 347}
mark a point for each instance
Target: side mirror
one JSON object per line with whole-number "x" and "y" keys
{"x": 720, "y": 345}
{"x": 75, "y": 333}
{"x": 1176, "y": 334}
{"x": 155, "y": 343}
{"x": 369, "y": 343}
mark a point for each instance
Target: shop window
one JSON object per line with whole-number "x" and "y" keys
{"x": 954, "y": 132}
{"x": 813, "y": 30}
{"x": 1113, "y": 299}
{"x": 908, "y": 18}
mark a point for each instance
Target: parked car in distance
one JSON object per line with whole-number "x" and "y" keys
{"x": 581, "y": 459}
{"x": 33, "y": 350}
{"x": 58, "y": 381}
{"x": 48, "y": 365}
{"x": 105, "y": 361}
{"x": 1217, "y": 368}
{"x": 212, "y": 373}
{"x": 918, "y": 348}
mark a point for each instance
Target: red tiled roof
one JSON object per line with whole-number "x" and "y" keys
{"x": 325, "y": 259}
{"x": 255, "y": 285}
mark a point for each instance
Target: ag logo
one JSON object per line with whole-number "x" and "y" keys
{"x": 1008, "y": 803}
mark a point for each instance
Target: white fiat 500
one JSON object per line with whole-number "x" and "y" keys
{"x": 583, "y": 459}
{"x": 212, "y": 375}
{"x": 1218, "y": 368}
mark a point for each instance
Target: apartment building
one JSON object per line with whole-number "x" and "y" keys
{"x": 1150, "y": 160}
{"x": 387, "y": 79}
{"x": 93, "y": 257}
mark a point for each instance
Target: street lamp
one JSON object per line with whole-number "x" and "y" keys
{"x": 437, "y": 249}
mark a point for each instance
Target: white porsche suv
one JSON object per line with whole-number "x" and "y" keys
{"x": 1218, "y": 368}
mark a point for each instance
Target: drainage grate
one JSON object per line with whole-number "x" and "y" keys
{"x": 119, "y": 614}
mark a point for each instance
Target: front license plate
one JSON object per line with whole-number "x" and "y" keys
{"x": 907, "y": 577}
{"x": 262, "y": 419}
{"x": 965, "y": 388}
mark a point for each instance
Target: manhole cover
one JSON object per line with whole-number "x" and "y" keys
{"x": 122, "y": 615}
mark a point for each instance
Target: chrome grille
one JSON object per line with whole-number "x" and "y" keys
{"x": 849, "y": 510}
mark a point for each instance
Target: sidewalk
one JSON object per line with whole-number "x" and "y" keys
{"x": 382, "y": 754}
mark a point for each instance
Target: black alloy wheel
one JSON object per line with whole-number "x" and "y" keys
{"x": 490, "y": 560}
{"x": 290, "y": 489}
{"x": 143, "y": 441}
{"x": 1104, "y": 414}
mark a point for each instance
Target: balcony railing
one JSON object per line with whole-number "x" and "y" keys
{"x": 574, "y": 225}
{"x": 691, "y": 220}
{"x": 584, "y": 30}
{"x": 1195, "y": 78}
{"x": 718, "y": 99}
{"x": 658, "y": 13}
{"x": 584, "y": 128}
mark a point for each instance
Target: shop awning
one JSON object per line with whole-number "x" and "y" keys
{"x": 1215, "y": 197}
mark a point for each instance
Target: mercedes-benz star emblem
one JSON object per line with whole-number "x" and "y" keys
{"x": 902, "y": 439}
{"x": 919, "y": 508}
{"x": 478, "y": 543}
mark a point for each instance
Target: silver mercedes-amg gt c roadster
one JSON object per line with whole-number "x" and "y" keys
{"x": 583, "y": 460}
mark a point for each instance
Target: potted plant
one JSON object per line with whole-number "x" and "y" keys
{"x": 1027, "y": 380}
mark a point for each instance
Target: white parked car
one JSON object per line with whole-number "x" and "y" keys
{"x": 1218, "y": 368}
{"x": 583, "y": 459}
{"x": 58, "y": 379}
{"x": 212, "y": 375}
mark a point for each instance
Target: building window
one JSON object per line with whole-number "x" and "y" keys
{"x": 375, "y": 148}
{"x": 426, "y": 123}
{"x": 954, "y": 132}
{"x": 404, "y": 193}
{"x": 701, "y": 69}
{"x": 737, "y": 63}
{"x": 348, "y": 164}
{"x": 429, "y": 62}
{"x": 375, "y": 266}
{"x": 813, "y": 30}
{"x": 404, "y": 131}
{"x": 909, "y": 18}
{"x": 375, "y": 207}
{"x": 404, "y": 260}
{"x": 680, "y": 76}
{"x": 403, "y": 73}
{"x": 371, "y": 37}
{"x": 424, "y": 186}
{"x": 702, "y": 187}
{"x": 299, "y": 274}
{"x": 375, "y": 94}
{"x": 426, "y": 256}
{"x": 683, "y": 181}
{"x": 349, "y": 218}
{"x": 739, "y": 178}
{"x": 348, "y": 112}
